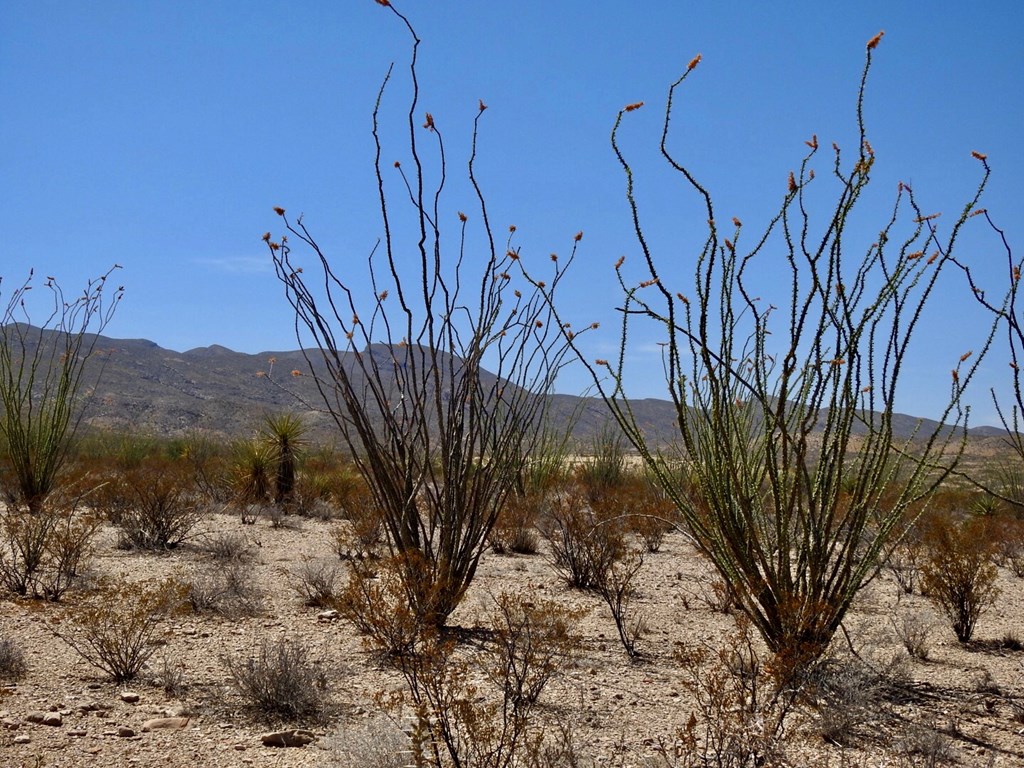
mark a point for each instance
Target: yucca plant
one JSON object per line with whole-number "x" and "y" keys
{"x": 285, "y": 434}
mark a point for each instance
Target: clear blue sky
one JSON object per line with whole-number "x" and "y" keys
{"x": 160, "y": 134}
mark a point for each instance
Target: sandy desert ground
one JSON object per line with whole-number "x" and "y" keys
{"x": 967, "y": 699}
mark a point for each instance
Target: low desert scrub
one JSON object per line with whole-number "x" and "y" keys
{"x": 116, "y": 629}
{"x": 739, "y": 707}
{"x": 12, "y": 660}
{"x": 584, "y": 546}
{"x": 1007, "y": 535}
{"x": 905, "y": 560}
{"x": 458, "y": 722}
{"x": 915, "y": 634}
{"x": 155, "y": 505}
{"x": 618, "y": 589}
{"x": 377, "y": 602}
{"x": 43, "y": 553}
{"x": 280, "y": 680}
{"x": 959, "y": 572}
{"x": 515, "y": 531}
{"x": 226, "y": 589}
{"x": 924, "y": 747}
{"x": 228, "y": 547}
{"x": 361, "y": 535}
{"x": 376, "y": 742}
{"x": 316, "y": 582}
{"x": 848, "y": 694}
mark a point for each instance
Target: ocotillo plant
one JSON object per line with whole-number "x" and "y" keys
{"x": 42, "y": 370}
{"x": 438, "y": 438}
{"x": 795, "y": 479}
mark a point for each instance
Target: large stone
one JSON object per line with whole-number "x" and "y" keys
{"x": 165, "y": 723}
{"x": 296, "y": 737}
{"x": 129, "y": 697}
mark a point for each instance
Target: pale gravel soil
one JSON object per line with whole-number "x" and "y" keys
{"x": 619, "y": 709}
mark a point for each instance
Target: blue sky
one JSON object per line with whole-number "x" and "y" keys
{"x": 159, "y": 135}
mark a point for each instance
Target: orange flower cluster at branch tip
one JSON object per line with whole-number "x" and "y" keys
{"x": 397, "y": 164}
{"x": 266, "y": 237}
{"x": 554, "y": 257}
{"x": 273, "y": 246}
{"x": 383, "y": 2}
{"x": 601, "y": 361}
{"x": 517, "y": 294}
{"x": 813, "y": 143}
{"x": 835, "y": 146}
{"x": 979, "y": 156}
{"x": 868, "y": 148}
{"x": 429, "y": 124}
{"x": 792, "y": 182}
{"x": 956, "y": 375}
{"x": 1016, "y": 274}
{"x": 261, "y": 374}
{"x": 512, "y": 255}
{"x": 649, "y": 283}
{"x": 633, "y": 107}
{"x": 838, "y": 361}
{"x": 966, "y": 355}
{"x": 929, "y": 217}
{"x": 578, "y": 236}
{"x": 541, "y": 284}
{"x": 693, "y": 62}
{"x": 620, "y": 262}
{"x": 383, "y": 295}
{"x": 278, "y": 210}
{"x": 1014, "y": 366}
{"x": 874, "y": 41}
{"x": 865, "y": 390}
{"x": 595, "y": 326}
{"x": 729, "y": 245}
{"x": 932, "y": 258}
{"x": 539, "y": 324}
{"x": 482, "y": 106}
{"x": 737, "y": 222}
{"x": 462, "y": 217}
{"x": 511, "y": 227}
{"x": 915, "y": 255}
{"x": 683, "y": 299}
{"x": 355, "y": 319}
{"x": 272, "y": 360}
{"x": 979, "y": 212}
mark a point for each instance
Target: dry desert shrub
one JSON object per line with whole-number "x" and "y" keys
{"x": 155, "y": 505}
{"x": 583, "y": 545}
{"x": 43, "y": 553}
{"x": 361, "y": 535}
{"x": 228, "y": 547}
{"x": 116, "y": 628}
{"x": 739, "y": 708}
{"x": 959, "y": 571}
{"x": 456, "y": 721}
{"x": 316, "y": 582}
{"x": 12, "y": 660}
{"x": 280, "y": 680}
{"x": 377, "y": 602}
{"x": 915, "y": 634}
{"x": 375, "y": 742}
{"x": 226, "y": 589}
{"x": 515, "y": 531}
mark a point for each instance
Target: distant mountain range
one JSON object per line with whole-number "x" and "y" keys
{"x": 144, "y": 387}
